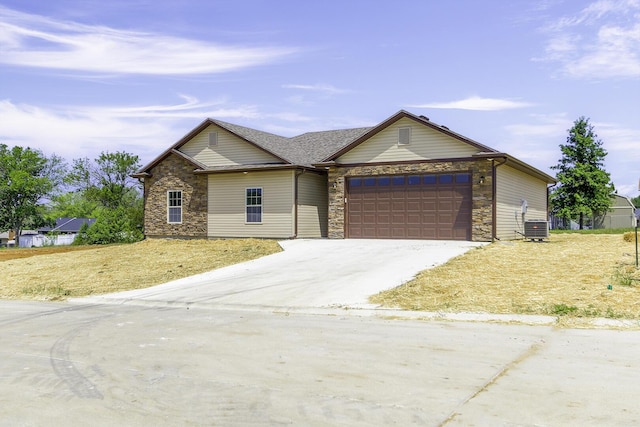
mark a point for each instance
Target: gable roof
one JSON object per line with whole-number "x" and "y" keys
{"x": 315, "y": 149}
{"x": 68, "y": 225}
{"x": 400, "y": 115}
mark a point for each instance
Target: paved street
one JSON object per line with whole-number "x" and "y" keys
{"x": 105, "y": 365}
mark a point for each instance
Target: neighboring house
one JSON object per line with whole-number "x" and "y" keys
{"x": 6, "y": 239}
{"x": 621, "y": 215}
{"x": 67, "y": 225}
{"x": 405, "y": 178}
{"x": 64, "y": 233}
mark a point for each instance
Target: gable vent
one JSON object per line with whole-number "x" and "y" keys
{"x": 404, "y": 136}
{"x": 213, "y": 139}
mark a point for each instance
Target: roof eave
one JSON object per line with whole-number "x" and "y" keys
{"x": 517, "y": 164}
{"x": 255, "y": 168}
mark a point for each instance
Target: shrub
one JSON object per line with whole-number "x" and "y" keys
{"x": 111, "y": 226}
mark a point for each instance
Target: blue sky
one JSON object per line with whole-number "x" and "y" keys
{"x": 78, "y": 77}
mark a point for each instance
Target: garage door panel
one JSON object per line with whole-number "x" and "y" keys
{"x": 418, "y": 206}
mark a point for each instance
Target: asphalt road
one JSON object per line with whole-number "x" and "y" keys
{"x": 106, "y": 365}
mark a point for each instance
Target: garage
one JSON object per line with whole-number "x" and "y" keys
{"x": 412, "y": 206}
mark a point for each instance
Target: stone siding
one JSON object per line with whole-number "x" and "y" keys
{"x": 481, "y": 215}
{"x": 175, "y": 173}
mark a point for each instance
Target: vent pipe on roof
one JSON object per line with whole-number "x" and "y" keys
{"x": 424, "y": 118}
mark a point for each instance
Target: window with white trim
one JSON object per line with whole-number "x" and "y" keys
{"x": 174, "y": 207}
{"x": 404, "y": 135}
{"x": 213, "y": 139}
{"x": 253, "y": 205}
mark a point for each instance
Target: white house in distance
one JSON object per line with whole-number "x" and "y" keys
{"x": 621, "y": 215}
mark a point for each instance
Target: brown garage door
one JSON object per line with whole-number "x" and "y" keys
{"x": 425, "y": 206}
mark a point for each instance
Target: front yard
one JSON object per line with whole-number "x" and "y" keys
{"x": 55, "y": 274}
{"x": 573, "y": 275}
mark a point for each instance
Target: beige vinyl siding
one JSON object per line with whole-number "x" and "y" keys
{"x": 226, "y": 216}
{"x": 230, "y": 150}
{"x": 621, "y": 215}
{"x": 426, "y": 143}
{"x": 513, "y": 186}
{"x": 312, "y": 205}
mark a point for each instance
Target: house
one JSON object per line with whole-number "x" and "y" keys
{"x": 64, "y": 233}
{"x": 67, "y": 225}
{"x": 621, "y": 214}
{"x": 405, "y": 178}
{"x": 7, "y": 239}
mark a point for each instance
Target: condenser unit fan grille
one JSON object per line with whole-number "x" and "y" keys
{"x": 536, "y": 229}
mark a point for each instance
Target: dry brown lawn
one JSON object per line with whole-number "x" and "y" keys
{"x": 568, "y": 275}
{"x": 57, "y": 273}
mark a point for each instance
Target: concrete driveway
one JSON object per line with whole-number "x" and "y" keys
{"x": 308, "y": 273}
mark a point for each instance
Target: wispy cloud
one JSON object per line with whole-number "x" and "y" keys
{"x": 79, "y": 131}
{"x": 36, "y": 41}
{"x": 321, "y": 88}
{"x": 476, "y": 103}
{"x": 600, "y": 41}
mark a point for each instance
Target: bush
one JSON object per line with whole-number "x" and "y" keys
{"x": 111, "y": 226}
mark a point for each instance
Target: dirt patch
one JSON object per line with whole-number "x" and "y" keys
{"x": 97, "y": 270}
{"x": 570, "y": 275}
{"x": 7, "y": 254}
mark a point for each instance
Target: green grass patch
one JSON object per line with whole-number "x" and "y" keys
{"x": 596, "y": 231}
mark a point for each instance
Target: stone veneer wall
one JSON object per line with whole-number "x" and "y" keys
{"x": 481, "y": 214}
{"x": 175, "y": 173}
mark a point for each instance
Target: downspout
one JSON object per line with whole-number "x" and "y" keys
{"x": 295, "y": 202}
{"x": 494, "y": 199}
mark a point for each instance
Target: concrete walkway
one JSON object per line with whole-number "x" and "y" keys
{"x": 308, "y": 273}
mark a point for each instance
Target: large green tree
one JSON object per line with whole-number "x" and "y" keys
{"x": 26, "y": 177}
{"x": 584, "y": 187}
{"x": 105, "y": 188}
{"x": 107, "y": 180}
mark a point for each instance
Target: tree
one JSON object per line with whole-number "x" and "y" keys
{"x": 584, "y": 187}
{"x": 26, "y": 177}
{"x": 108, "y": 181}
{"x": 105, "y": 186}
{"x": 636, "y": 201}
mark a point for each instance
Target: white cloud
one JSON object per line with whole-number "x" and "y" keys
{"x": 321, "y": 88}
{"x": 36, "y": 41}
{"x": 600, "y": 41}
{"x": 85, "y": 131}
{"x": 538, "y": 142}
{"x": 476, "y": 103}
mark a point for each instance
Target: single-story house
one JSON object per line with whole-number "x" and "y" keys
{"x": 621, "y": 214}
{"x": 405, "y": 178}
{"x": 67, "y": 225}
{"x": 6, "y": 238}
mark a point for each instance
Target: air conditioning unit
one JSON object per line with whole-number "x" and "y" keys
{"x": 536, "y": 229}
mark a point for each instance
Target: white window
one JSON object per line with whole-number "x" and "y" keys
{"x": 404, "y": 135}
{"x": 253, "y": 205}
{"x": 213, "y": 139}
{"x": 174, "y": 207}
